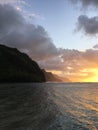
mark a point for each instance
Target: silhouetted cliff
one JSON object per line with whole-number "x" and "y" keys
{"x": 18, "y": 67}
{"x": 50, "y": 77}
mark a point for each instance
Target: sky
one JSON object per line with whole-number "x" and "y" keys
{"x": 61, "y": 35}
{"x": 59, "y": 18}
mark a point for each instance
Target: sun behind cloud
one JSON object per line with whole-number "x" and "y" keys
{"x": 92, "y": 78}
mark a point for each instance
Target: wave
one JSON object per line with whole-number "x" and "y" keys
{"x": 49, "y": 106}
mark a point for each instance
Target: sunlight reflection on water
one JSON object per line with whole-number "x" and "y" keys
{"x": 49, "y": 106}
{"x": 80, "y": 101}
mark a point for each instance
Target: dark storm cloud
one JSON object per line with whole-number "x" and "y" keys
{"x": 16, "y": 32}
{"x": 88, "y": 25}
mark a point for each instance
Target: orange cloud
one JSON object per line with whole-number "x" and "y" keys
{"x": 78, "y": 66}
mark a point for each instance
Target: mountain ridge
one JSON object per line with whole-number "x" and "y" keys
{"x": 50, "y": 77}
{"x": 16, "y": 66}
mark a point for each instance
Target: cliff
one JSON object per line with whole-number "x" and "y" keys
{"x": 18, "y": 67}
{"x": 50, "y": 77}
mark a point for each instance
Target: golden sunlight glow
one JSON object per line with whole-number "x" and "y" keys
{"x": 94, "y": 77}
{"x": 85, "y": 75}
{"x": 57, "y": 72}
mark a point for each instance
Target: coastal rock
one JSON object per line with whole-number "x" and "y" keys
{"x": 18, "y": 67}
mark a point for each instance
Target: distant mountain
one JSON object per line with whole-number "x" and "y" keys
{"x": 18, "y": 67}
{"x": 50, "y": 77}
{"x": 65, "y": 79}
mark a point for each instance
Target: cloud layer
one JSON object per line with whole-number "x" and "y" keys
{"x": 74, "y": 64}
{"x": 16, "y": 32}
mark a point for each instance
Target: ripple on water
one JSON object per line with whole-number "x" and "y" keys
{"x": 49, "y": 106}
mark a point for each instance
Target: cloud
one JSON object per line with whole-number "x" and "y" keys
{"x": 35, "y": 15}
{"x": 16, "y": 32}
{"x": 95, "y": 46}
{"x": 86, "y": 3}
{"x": 12, "y": 1}
{"x": 88, "y": 25}
{"x": 74, "y": 64}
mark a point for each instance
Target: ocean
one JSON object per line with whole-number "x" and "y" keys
{"x": 49, "y": 106}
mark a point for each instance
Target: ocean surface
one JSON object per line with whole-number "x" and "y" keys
{"x": 49, "y": 106}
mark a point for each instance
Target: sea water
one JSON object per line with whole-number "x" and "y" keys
{"x": 49, "y": 106}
